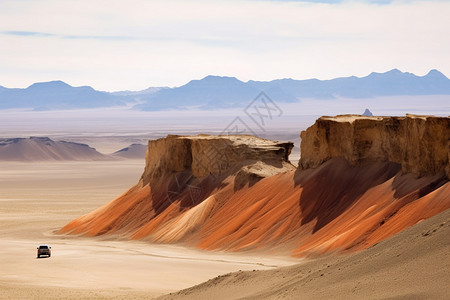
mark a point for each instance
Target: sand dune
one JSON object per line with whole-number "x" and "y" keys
{"x": 413, "y": 264}
{"x": 45, "y": 149}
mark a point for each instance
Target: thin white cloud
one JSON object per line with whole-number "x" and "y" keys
{"x": 113, "y": 44}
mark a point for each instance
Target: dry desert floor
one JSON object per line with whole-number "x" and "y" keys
{"x": 38, "y": 198}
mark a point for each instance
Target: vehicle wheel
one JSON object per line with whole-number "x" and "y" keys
{"x": 38, "y": 256}
{"x": 49, "y": 255}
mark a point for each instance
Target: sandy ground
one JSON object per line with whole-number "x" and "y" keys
{"x": 413, "y": 264}
{"x": 38, "y": 198}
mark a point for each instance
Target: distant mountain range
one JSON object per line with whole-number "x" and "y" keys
{"x": 46, "y": 149}
{"x": 43, "y": 148}
{"x": 223, "y": 92}
{"x": 134, "y": 151}
{"x": 57, "y": 95}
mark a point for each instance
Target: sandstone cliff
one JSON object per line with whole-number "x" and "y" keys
{"x": 206, "y": 155}
{"x": 420, "y": 144}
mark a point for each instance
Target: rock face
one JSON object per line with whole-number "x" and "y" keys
{"x": 207, "y": 155}
{"x": 420, "y": 144}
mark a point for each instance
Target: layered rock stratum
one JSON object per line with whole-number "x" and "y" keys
{"x": 360, "y": 181}
{"x": 420, "y": 144}
{"x": 205, "y": 155}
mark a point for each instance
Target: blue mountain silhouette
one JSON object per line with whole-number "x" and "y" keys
{"x": 223, "y": 92}
{"x": 57, "y": 95}
{"x": 216, "y": 91}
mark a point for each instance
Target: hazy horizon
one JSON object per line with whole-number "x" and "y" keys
{"x": 219, "y": 75}
{"x": 115, "y": 45}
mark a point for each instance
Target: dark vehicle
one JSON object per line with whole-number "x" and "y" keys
{"x": 44, "y": 250}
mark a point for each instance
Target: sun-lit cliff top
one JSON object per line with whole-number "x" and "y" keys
{"x": 420, "y": 144}
{"x": 351, "y": 118}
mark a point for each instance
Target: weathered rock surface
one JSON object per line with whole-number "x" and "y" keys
{"x": 420, "y": 144}
{"x": 218, "y": 192}
{"x": 207, "y": 155}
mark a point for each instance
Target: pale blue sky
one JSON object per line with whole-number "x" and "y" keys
{"x": 117, "y": 44}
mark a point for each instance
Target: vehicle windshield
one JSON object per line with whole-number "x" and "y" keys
{"x": 43, "y": 247}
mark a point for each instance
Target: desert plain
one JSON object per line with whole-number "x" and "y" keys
{"x": 38, "y": 198}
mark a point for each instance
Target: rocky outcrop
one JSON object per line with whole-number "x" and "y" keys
{"x": 187, "y": 177}
{"x": 205, "y": 155}
{"x": 420, "y": 144}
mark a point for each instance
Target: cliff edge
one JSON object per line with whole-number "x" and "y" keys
{"x": 420, "y": 144}
{"x": 206, "y": 155}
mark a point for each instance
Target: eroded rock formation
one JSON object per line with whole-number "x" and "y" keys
{"x": 352, "y": 190}
{"x": 206, "y": 155}
{"x": 420, "y": 144}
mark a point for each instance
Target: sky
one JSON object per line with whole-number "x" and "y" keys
{"x": 115, "y": 45}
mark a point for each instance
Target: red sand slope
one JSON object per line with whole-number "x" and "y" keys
{"x": 333, "y": 207}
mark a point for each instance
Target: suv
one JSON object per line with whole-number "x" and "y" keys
{"x": 44, "y": 250}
